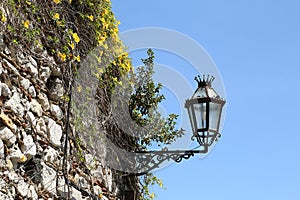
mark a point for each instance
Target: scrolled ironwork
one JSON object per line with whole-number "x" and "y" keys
{"x": 150, "y": 160}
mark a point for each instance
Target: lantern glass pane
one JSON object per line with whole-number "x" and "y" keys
{"x": 214, "y": 116}
{"x": 211, "y": 93}
{"x": 200, "y": 93}
{"x": 200, "y": 114}
{"x": 191, "y": 116}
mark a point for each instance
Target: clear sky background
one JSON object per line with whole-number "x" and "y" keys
{"x": 256, "y": 46}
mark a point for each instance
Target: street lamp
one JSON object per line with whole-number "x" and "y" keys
{"x": 205, "y": 112}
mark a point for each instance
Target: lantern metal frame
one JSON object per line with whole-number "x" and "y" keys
{"x": 205, "y": 136}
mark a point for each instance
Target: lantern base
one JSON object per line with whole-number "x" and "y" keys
{"x": 206, "y": 138}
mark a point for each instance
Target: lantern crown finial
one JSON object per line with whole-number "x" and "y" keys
{"x": 204, "y": 80}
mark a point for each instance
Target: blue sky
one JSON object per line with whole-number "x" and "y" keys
{"x": 256, "y": 46}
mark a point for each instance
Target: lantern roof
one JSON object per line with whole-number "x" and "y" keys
{"x": 205, "y": 89}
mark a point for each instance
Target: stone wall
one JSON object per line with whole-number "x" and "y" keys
{"x": 32, "y": 134}
{"x": 41, "y": 44}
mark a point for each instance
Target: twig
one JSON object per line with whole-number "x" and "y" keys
{"x": 10, "y": 60}
{"x": 65, "y": 173}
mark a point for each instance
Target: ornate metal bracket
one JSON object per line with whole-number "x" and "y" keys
{"x": 149, "y": 160}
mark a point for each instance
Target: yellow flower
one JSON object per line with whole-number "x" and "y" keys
{"x": 100, "y": 196}
{"x": 105, "y": 26}
{"x": 57, "y": 1}
{"x": 115, "y": 80}
{"x": 3, "y": 18}
{"x": 75, "y": 37}
{"x": 70, "y": 1}
{"x": 23, "y": 158}
{"x": 56, "y": 16}
{"x": 105, "y": 11}
{"x": 152, "y": 195}
{"x": 79, "y": 89}
{"x": 91, "y": 17}
{"x": 62, "y": 56}
{"x": 101, "y": 40}
{"x": 100, "y": 70}
{"x": 125, "y": 54}
{"x": 116, "y": 30}
{"x": 26, "y": 24}
{"x": 97, "y": 75}
{"x": 77, "y": 58}
{"x": 161, "y": 184}
{"x": 105, "y": 46}
{"x": 60, "y": 23}
{"x": 72, "y": 45}
{"x": 102, "y": 20}
{"x": 126, "y": 67}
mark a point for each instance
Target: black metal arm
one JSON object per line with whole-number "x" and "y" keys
{"x": 149, "y": 160}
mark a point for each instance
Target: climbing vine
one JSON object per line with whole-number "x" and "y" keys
{"x": 69, "y": 30}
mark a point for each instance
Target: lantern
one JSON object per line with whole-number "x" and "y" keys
{"x": 205, "y": 110}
